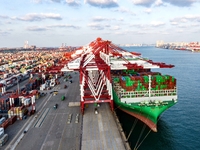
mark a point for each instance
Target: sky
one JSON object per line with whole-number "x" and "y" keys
{"x": 50, "y": 23}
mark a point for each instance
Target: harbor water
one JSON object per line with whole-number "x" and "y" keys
{"x": 179, "y": 126}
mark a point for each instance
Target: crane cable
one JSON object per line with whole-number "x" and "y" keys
{"x": 144, "y": 126}
{"x": 145, "y": 136}
{"x": 138, "y": 145}
{"x": 143, "y": 139}
{"x": 136, "y": 120}
{"x": 117, "y": 107}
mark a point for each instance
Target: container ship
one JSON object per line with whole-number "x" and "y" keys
{"x": 142, "y": 93}
{"x": 111, "y": 74}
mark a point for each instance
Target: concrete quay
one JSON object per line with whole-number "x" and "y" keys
{"x": 65, "y": 128}
{"x": 100, "y": 131}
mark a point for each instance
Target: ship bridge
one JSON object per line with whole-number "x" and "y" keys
{"x": 95, "y": 63}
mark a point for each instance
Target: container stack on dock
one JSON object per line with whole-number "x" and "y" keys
{"x": 21, "y": 61}
{"x": 5, "y": 124}
{"x": 12, "y": 120}
{"x": 33, "y": 83}
{"x": 18, "y": 112}
{"x": 4, "y": 104}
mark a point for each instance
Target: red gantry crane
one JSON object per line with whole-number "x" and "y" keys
{"x": 95, "y": 62}
{"x": 92, "y": 62}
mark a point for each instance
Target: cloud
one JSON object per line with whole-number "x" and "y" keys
{"x": 99, "y": 18}
{"x": 141, "y": 32}
{"x": 49, "y": 27}
{"x": 158, "y": 2}
{"x": 146, "y": 3}
{"x": 107, "y": 25}
{"x": 157, "y": 23}
{"x": 195, "y": 25}
{"x": 36, "y": 28}
{"x": 4, "y": 33}
{"x": 40, "y": 1}
{"x": 120, "y": 19}
{"x": 57, "y": 1}
{"x": 186, "y": 18}
{"x": 9, "y": 29}
{"x": 115, "y": 28}
{"x": 4, "y": 17}
{"x": 183, "y": 26}
{"x": 174, "y": 23}
{"x": 63, "y": 26}
{"x": 124, "y": 10}
{"x": 181, "y": 3}
{"x": 95, "y": 26}
{"x": 143, "y": 27}
{"x": 180, "y": 31}
{"x": 37, "y": 1}
{"x": 73, "y": 2}
{"x": 39, "y": 17}
{"x": 136, "y": 25}
{"x": 8, "y": 22}
{"x": 148, "y": 11}
{"x": 120, "y": 33}
{"x": 102, "y": 3}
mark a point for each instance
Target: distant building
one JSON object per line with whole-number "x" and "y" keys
{"x": 159, "y": 43}
{"x": 26, "y": 46}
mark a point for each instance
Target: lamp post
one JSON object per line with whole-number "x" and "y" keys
{"x": 17, "y": 85}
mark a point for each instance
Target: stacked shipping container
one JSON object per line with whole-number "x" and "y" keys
{"x": 19, "y": 112}
{"x": 4, "y": 104}
{"x": 140, "y": 81}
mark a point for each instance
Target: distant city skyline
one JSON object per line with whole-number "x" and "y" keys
{"x": 49, "y": 23}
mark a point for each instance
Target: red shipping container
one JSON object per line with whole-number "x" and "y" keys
{"x": 5, "y": 124}
{"x": 12, "y": 119}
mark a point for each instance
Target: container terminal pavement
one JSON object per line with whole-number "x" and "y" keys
{"x": 65, "y": 128}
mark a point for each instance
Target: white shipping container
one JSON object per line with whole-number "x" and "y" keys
{"x": 1, "y": 132}
{"x": 33, "y": 99}
{"x": 27, "y": 101}
{"x": 2, "y": 120}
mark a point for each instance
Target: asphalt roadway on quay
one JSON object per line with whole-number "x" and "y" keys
{"x": 54, "y": 131}
{"x": 65, "y": 128}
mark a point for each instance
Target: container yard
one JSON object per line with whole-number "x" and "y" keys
{"x": 21, "y": 77}
{"x": 28, "y": 97}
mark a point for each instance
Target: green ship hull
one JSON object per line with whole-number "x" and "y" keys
{"x": 147, "y": 113}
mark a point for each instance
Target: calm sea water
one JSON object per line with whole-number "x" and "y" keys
{"x": 179, "y": 126}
